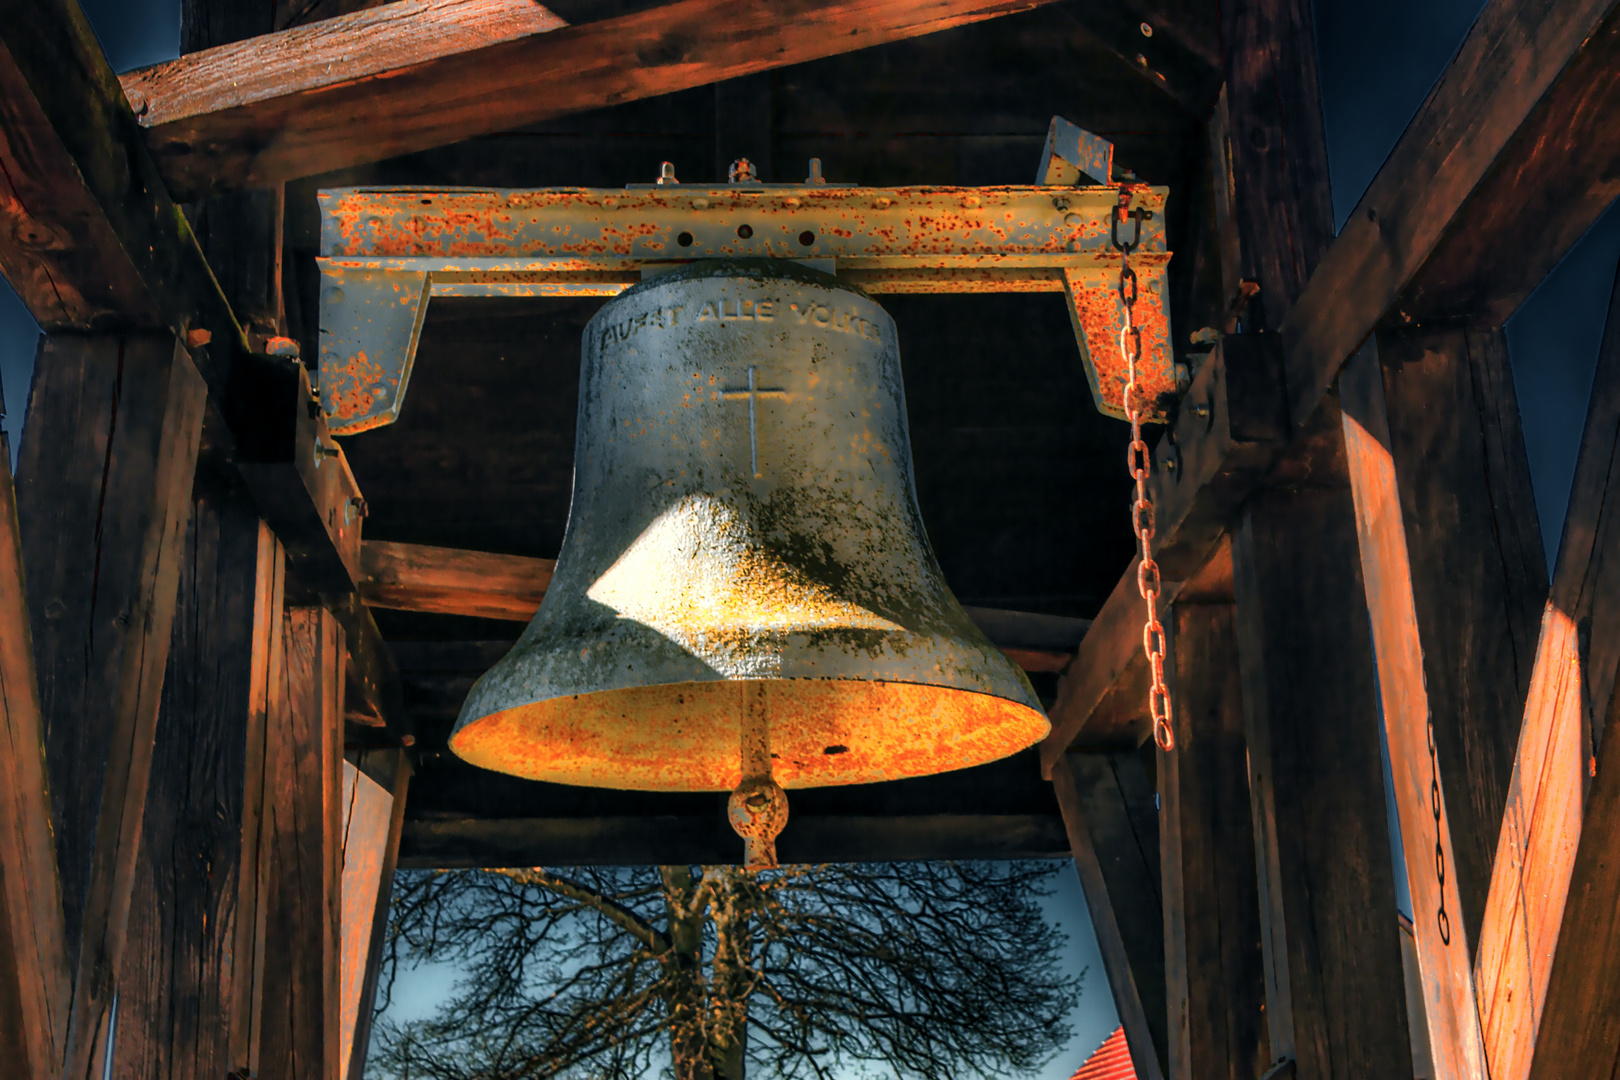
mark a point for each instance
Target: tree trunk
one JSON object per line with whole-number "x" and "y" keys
{"x": 708, "y": 1018}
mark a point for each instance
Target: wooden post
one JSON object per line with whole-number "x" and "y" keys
{"x": 1421, "y": 796}
{"x": 1335, "y": 991}
{"x": 34, "y": 972}
{"x": 104, "y": 485}
{"x": 1478, "y": 577}
{"x": 375, "y": 816}
{"x": 304, "y": 815}
{"x": 1567, "y": 1001}
{"x": 1214, "y": 977}
{"x": 1108, "y": 811}
{"x": 191, "y": 952}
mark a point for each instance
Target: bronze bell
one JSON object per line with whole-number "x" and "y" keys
{"x": 745, "y": 589}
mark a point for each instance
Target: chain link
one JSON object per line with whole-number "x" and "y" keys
{"x": 1139, "y": 462}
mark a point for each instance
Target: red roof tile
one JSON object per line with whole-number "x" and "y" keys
{"x": 1110, "y": 1061}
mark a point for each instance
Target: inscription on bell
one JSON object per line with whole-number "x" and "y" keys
{"x": 659, "y": 318}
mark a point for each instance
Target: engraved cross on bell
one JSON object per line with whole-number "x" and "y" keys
{"x": 752, "y": 393}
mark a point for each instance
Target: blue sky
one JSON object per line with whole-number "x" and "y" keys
{"x": 1378, "y": 60}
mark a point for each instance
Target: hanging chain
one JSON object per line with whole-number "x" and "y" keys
{"x": 1139, "y": 462}
{"x": 1441, "y": 918}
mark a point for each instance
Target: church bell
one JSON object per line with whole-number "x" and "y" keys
{"x": 745, "y": 589}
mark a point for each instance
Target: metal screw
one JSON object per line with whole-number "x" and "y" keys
{"x": 666, "y": 174}
{"x": 815, "y": 176}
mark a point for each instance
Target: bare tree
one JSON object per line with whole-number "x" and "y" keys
{"x": 929, "y": 969}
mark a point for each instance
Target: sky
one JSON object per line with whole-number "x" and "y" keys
{"x": 1378, "y": 60}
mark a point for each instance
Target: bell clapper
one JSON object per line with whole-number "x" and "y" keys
{"x": 758, "y": 808}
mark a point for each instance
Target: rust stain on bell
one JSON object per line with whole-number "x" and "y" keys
{"x": 744, "y": 527}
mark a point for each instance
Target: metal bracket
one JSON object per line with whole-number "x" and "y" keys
{"x": 386, "y": 251}
{"x": 371, "y": 321}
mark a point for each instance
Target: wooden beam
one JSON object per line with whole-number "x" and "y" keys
{"x": 415, "y": 577}
{"x": 1472, "y": 149}
{"x": 1490, "y": 138}
{"x": 284, "y": 118}
{"x": 304, "y": 767}
{"x": 1214, "y": 977}
{"x": 632, "y": 839}
{"x": 392, "y": 771}
{"x": 1334, "y": 983}
{"x": 195, "y": 886}
{"x": 1110, "y": 816}
{"x": 34, "y": 968}
{"x": 1422, "y": 803}
{"x": 1574, "y": 1015}
{"x": 103, "y": 495}
{"x": 1478, "y": 576}
{"x": 369, "y": 813}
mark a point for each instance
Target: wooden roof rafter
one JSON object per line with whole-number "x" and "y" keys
{"x": 413, "y": 75}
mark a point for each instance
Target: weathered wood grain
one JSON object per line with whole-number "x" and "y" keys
{"x": 368, "y": 811}
{"x": 103, "y": 495}
{"x": 182, "y": 968}
{"x": 1282, "y": 210}
{"x": 1422, "y": 801}
{"x": 416, "y": 577}
{"x": 1214, "y": 978}
{"x": 283, "y": 120}
{"x": 1335, "y": 1000}
{"x": 1541, "y": 830}
{"x": 392, "y": 770}
{"x": 1479, "y": 580}
{"x": 1109, "y": 814}
{"x": 34, "y": 968}
{"x": 304, "y": 766}
{"x": 1579, "y": 1031}
{"x": 1519, "y": 56}
{"x": 92, "y": 238}
{"x": 267, "y": 690}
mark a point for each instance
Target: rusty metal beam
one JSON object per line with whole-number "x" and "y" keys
{"x": 256, "y": 112}
{"x": 387, "y": 252}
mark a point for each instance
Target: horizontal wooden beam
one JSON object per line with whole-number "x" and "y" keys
{"x": 257, "y": 112}
{"x": 449, "y": 581}
{"x": 637, "y": 840}
{"x": 1486, "y": 154}
{"x": 481, "y": 584}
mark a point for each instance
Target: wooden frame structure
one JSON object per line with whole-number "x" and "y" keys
{"x": 189, "y": 662}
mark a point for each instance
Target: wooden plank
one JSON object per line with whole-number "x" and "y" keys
{"x": 1422, "y": 802}
{"x": 183, "y": 968}
{"x": 283, "y": 119}
{"x": 1282, "y": 212}
{"x": 266, "y": 707}
{"x": 627, "y": 838}
{"x": 1335, "y": 999}
{"x": 34, "y": 972}
{"x": 1478, "y": 577}
{"x": 92, "y": 238}
{"x": 1579, "y": 1022}
{"x": 1215, "y": 981}
{"x": 301, "y": 989}
{"x": 416, "y": 577}
{"x": 103, "y": 493}
{"x": 393, "y": 770}
{"x": 1110, "y": 816}
{"x": 368, "y": 813}
{"x": 1520, "y": 57}
{"x": 1541, "y": 829}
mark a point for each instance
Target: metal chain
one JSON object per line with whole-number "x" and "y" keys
{"x": 1441, "y": 918}
{"x": 1139, "y": 462}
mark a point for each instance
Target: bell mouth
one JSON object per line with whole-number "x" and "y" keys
{"x": 685, "y": 736}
